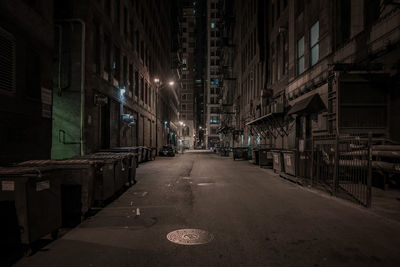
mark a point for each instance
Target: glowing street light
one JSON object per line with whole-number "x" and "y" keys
{"x": 171, "y": 83}
{"x": 156, "y": 80}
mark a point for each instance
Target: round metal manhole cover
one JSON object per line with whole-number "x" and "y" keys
{"x": 190, "y": 237}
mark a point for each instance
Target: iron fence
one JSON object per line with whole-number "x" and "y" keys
{"x": 342, "y": 165}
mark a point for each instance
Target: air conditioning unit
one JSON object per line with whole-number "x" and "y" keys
{"x": 128, "y": 119}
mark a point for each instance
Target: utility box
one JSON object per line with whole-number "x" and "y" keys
{"x": 30, "y": 204}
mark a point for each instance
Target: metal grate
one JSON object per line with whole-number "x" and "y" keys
{"x": 7, "y": 61}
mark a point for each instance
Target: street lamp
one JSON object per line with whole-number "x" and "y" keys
{"x": 158, "y": 83}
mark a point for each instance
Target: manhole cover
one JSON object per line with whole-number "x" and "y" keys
{"x": 190, "y": 237}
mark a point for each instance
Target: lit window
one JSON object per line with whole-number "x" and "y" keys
{"x": 300, "y": 55}
{"x": 212, "y": 25}
{"x": 314, "y": 43}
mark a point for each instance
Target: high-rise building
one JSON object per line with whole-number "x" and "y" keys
{"x": 186, "y": 124}
{"x": 212, "y": 94}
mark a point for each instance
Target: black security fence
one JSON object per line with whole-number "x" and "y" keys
{"x": 343, "y": 166}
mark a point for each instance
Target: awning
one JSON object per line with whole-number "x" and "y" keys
{"x": 311, "y": 104}
{"x": 265, "y": 125}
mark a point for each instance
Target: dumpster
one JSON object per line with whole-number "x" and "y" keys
{"x": 141, "y": 154}
{"x": 153, "y": 153}
{"x": 117, "y": 169}
{"x": 289, "y": 159}
{"x": 129, "y": 160}
{"x": 76, "y": 178}
{"x": 30, "y": 205}
{"x": 277, "y": 161}
{"x": 225, "y": 152}
{"x": 240, "y": 153}
{"x": 265, "y": 157}
{"x": 125, "y": 149}
{"x": 255, "y": 155}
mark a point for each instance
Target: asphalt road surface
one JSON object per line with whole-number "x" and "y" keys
{"x": 250, "y": 217}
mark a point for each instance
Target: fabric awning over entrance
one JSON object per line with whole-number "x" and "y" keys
{"x": 311, "y": 104}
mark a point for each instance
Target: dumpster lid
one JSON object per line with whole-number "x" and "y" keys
{"x": 311, "y": 104}
{"x": 63, "y": 162}
{"x": 23, "y": 170}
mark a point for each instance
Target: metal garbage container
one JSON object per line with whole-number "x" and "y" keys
{"x": 129, "y": 160}
{"x": 120, "y": 168}
{"x": 277, "y": 161}
{"x": 289, "y": 158}
{"x": 153, "y": 153}
{"x": 266, "y": 157}
{"x": 125, "y": 149}
{"x": 77, "y": 178}
{"x": 240, "y": 153}
{"x": 255, "y": 155}
{"x": 30, "y": 204}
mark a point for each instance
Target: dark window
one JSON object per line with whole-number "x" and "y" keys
{"x": 117, "y": 16}
{"x": 136, "y": 83}
{"x": 107, "y": 53}
{"x": 137, "y": 41}
{"x": 7, "y": 61}
{"x": 96, "y": 46}
{"x": 146, "y": 93}
{"x": 117, "y": 63}
{"x": 142, "y": 88}
{"x": 125, "y": 69}
{"x": 32, "y": 87}
{"x": 142, "y": 50}
{"x": 131, "y": 79}
{"x": 126, "y": 22}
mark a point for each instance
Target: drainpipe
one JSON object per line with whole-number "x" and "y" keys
{"x": 83, "y": 63}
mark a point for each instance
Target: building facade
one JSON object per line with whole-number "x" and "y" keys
{"x": 108, "y": 54}
{"x": 308, "y": 69}
{"x": 26, "y": 54}
{"x": 187, "y": 131}
{"x": 212, "y": 117}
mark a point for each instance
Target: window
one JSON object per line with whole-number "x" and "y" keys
{"x": 7, "y": 58}
{"x": 183, "y": 106}
{"x": 136, "y": 83}
{"x": 96, "y": 46}
{"x": 142, "y": 88}
{"x": 314, "y": 43}
{"x": 131, "y": 79}
{"x": 116, "y": 12}
{"x": 146, "y": 93}
{"x": 300, "y": 55}
{"x": 126, "y": 22}
{"x": 212, "y": 25}
{"x": 107, "y": 52}
{"x": 116, "y": 63}
{"x": 33, "y": 84}
{"x": 125, "y": 69}
{"x": 183, "y": 96}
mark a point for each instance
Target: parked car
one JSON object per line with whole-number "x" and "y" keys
{"x": 167, "y": 151}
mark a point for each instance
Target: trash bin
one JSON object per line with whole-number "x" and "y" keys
{"x": 141, "y": 154}
{"x": 289, "y": 158}
{"x": 153, "y": 153}
{"x": 130, "y": 160}
{"x": 277, "y": 161}
{"x": 255, "y": 155}
{"x": 30, "y": 204}
{"x": 117, "y": 168}
{"x": 265, "y": 157}
{"x": 240, "y": 153}
{"x": 125, "y": 149}
{"x": 77, "y": 178}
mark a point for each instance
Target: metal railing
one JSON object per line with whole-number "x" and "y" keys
{"x": 343, "y": 165}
